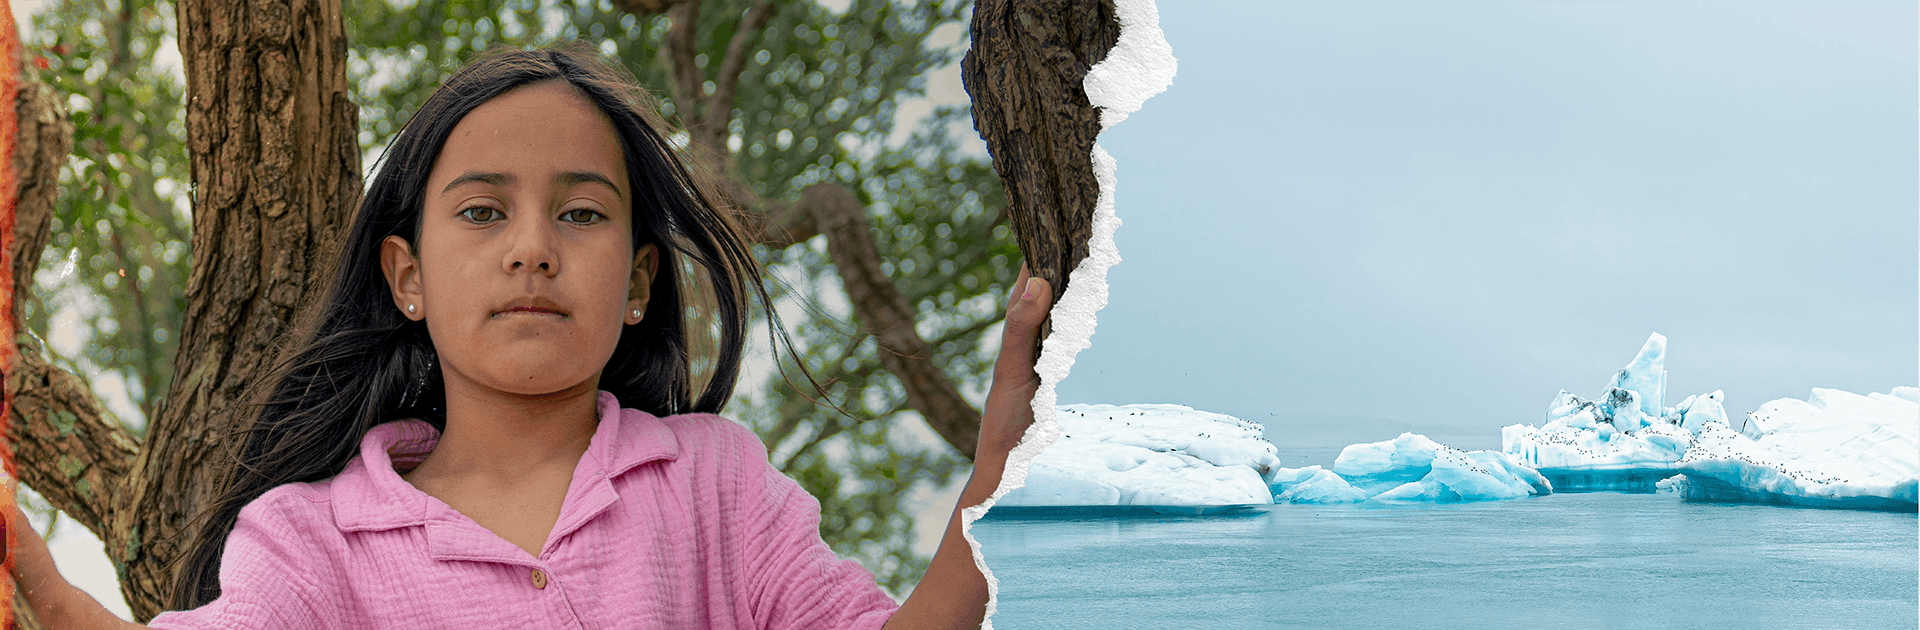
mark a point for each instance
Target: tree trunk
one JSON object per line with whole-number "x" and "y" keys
{"x": 1025, "y": 74}
{"x": 275, "y": 162}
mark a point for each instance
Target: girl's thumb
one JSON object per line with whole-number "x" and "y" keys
{"x": 1035, "y": 300}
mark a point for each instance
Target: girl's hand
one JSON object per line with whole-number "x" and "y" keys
{"x": 55, "y": 603}
{"x": 953, "y": 594}
{"x": 1009, "y": 409}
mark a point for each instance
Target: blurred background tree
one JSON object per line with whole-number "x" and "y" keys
{"x": 793, "y": 103}
{"x": 119, "y": 256}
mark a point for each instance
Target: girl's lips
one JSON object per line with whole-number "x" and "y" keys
{"x": 531, "y": 312}
{"x": 531, "y": 306}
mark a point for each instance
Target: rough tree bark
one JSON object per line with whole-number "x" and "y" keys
{"x": 275, "y": 164}
{"x": 1025, "y": 74}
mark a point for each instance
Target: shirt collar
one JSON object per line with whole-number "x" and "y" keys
{"x": 369, "y": 494}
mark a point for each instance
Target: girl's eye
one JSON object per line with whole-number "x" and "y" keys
{"x": 482, "y": 214}
{"x": 580, "y": 216}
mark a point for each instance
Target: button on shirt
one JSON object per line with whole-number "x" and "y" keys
{"x": 674, "y": 522}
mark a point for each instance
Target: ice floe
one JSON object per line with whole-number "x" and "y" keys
{"x": 1834, "y": 449}
{"x": 1149, "y": 455}
{"x": 1409, "y": 468}
{"x": 1626, "y": 431}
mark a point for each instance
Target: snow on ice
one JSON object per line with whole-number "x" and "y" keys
{"x": 1834, "y": 449}
{"x": 1627, "y": 428}
{"x": 1149, "y": 455}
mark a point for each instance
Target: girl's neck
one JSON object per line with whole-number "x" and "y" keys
{"x": 496, "y": 434}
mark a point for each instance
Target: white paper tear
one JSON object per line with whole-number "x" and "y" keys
{"x": 1140, "y": 65}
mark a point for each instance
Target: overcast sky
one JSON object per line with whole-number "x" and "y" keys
{"x": 1349, "y": 219}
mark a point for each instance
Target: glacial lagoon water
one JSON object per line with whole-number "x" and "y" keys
{"x": 1597, "y": 560}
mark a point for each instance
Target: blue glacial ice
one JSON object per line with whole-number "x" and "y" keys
{"x": 1624, "y": 440}
{"x": 1409, "y": 468}
{"x": 1149, "y": 455}
{"x": 1634, "y": 396}
{"x": 1835, "y": 449}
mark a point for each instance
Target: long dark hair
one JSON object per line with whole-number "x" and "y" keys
{"x": 364, "y": 363}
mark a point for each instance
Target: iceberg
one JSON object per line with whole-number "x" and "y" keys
{"x": 1634, "y": 396}
{"x": 1626, "y": 440}
{"x": 1835, "y": 449}
{"x": 1152, "y": 455}
{"x": 1409, "y": 468}
{"x": 1313, "y": 484}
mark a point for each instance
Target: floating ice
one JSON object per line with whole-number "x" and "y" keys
{"x": 1162, "y": 455}
{"x": 1635, "y": 395}
{"x": 1313, "y": 484}
{"x": 1626, "y": 430}
{"x": 1409, "y": 468}
{"x": 1694, "y": 412}
{"x": 1578, "y": 434}
{"x": 1834, "y": 449}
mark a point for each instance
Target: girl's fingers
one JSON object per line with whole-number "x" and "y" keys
{"x": 1019, "y": 283}
{"x": 1032, "y": 299}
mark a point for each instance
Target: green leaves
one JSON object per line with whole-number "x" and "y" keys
{"x": 119, "y": 255}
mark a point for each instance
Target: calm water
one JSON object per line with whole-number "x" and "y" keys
{"x": 1602, "y": 560}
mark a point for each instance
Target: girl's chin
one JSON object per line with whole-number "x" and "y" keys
{"x": 534, "y": 384}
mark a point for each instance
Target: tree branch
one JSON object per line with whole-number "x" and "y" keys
{"x": 885, "y": 313}
{"x": 779, "y": 224}
{"x": 68, "y": 449}
{"x": 720, "y": 104}
{"x": 1025, "y": 74}
{"x": 645, "y": 8}
{"x": 43, "y": 134}
{"x": 679, "y": 54}
{"x": 41, "y": 144}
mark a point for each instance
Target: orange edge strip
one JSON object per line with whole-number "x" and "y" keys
{"x": 9, "y": 190}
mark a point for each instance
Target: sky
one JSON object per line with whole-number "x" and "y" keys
{"x": 1345, "y": 220}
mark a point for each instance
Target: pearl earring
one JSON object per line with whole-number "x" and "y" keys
{"x": 636, "y": 312}
{"x": 409, "y": 309}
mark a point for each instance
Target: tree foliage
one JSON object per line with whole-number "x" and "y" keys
{"x": 119, "y": 255}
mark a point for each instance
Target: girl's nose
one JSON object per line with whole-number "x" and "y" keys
{"x": 532, "y": 248}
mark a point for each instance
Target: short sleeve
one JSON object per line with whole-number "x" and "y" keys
{"x": 794, "y": 579}
{"x": 270, "y": 571}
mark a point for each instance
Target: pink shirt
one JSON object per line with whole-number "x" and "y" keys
{"x": 675, "y": 522}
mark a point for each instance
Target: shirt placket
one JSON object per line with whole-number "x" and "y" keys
{"x": 549, "y": 582}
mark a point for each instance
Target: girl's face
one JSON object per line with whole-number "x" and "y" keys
{"x": 525, "y": 271}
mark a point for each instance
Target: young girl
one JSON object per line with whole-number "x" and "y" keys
{"x": 494, "y": 424}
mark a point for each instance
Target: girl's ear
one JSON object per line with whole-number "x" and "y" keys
{"x": 646, "y": 261}
{"x": 402, "y": 270}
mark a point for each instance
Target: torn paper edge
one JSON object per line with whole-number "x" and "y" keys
{"x": 1139, "y": 65}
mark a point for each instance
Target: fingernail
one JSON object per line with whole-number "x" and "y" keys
{"x": 1029, "y": 293}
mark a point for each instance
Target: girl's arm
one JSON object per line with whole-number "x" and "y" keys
{"x": 55, "y": 602}
{"x": 953, "y": 594}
